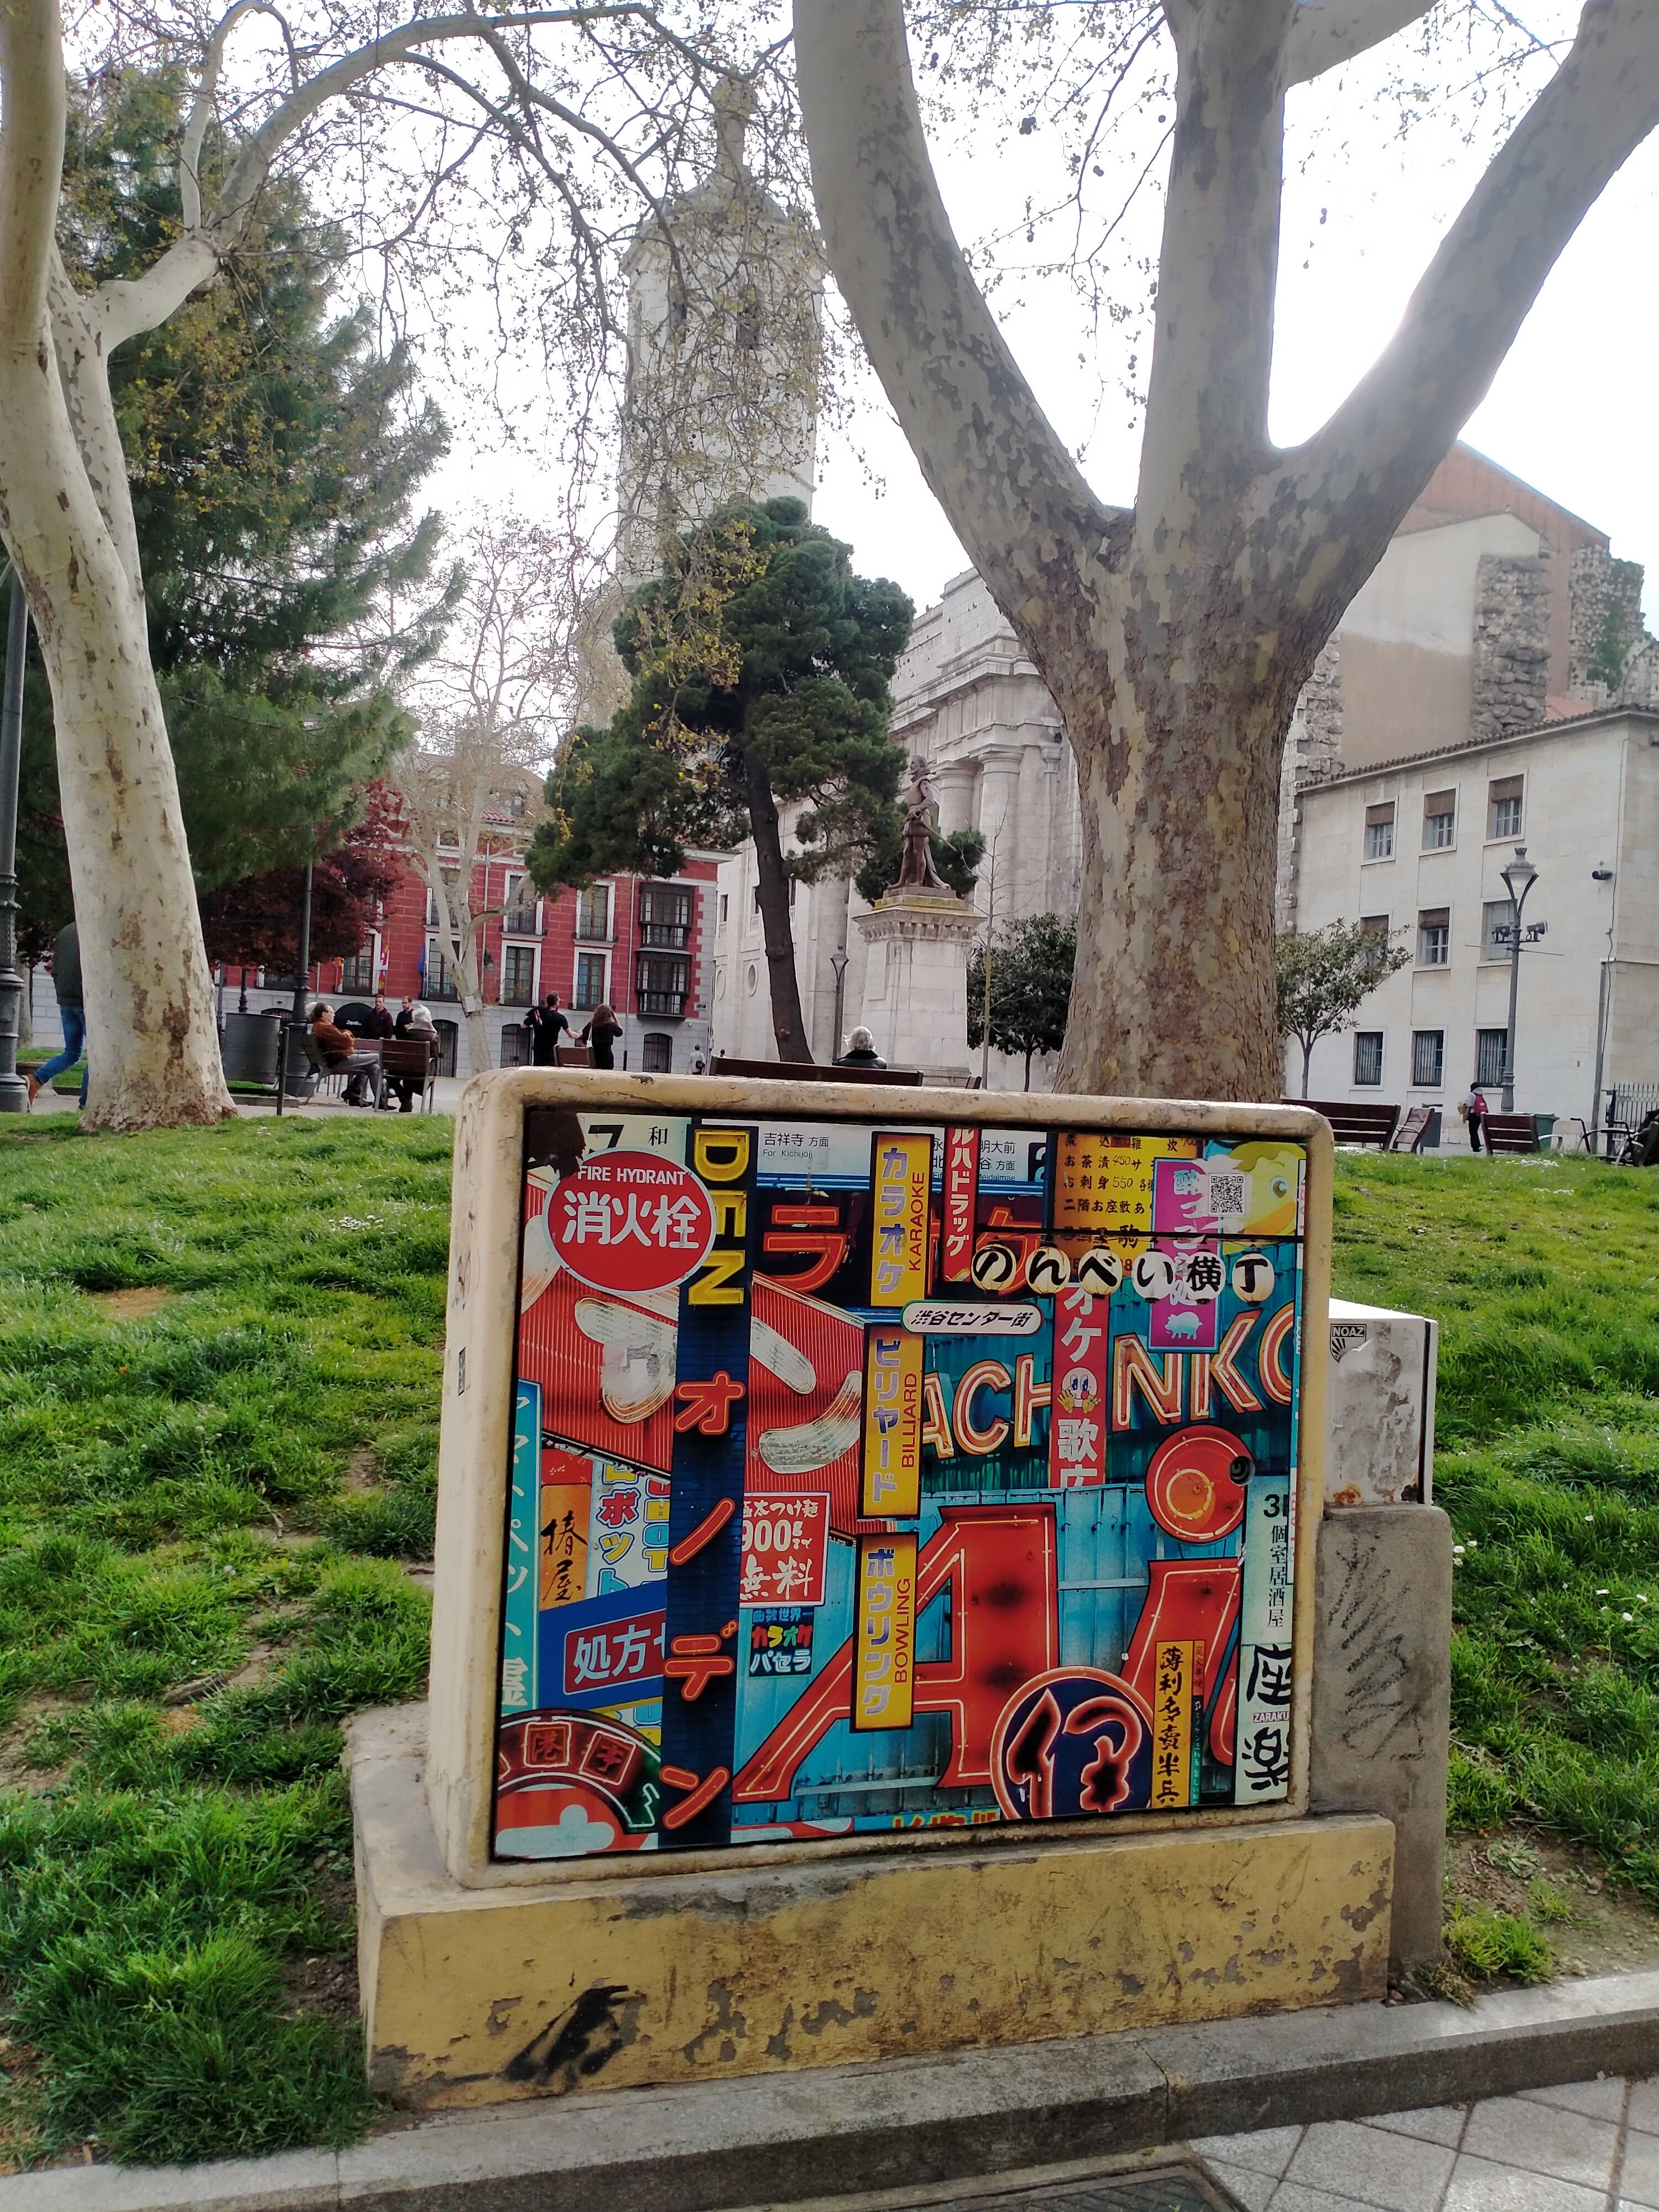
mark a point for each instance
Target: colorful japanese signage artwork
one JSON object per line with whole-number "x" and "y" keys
{"x": 868, "y": 1478}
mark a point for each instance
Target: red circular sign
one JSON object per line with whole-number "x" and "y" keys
{"x": 1192, "y": 1484}
{"x": 630, "y": 1221}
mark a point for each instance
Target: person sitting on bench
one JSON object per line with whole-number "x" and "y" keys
{"x": 860, "y": 1051}
{"x": 338, "y": 1048}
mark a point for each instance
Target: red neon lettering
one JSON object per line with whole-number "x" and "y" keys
{"x": 1004, "y": 1553}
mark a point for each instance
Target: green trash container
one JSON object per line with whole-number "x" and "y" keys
{"x": 1545, "y": 1125}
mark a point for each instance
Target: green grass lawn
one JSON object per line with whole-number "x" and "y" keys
{"x": 209, "y": 1497}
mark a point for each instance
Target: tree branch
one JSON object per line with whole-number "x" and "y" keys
{"x": 31, "y": 161}
{"x": 1369, "y": 462}
{"x": 992, "y": 457}
{"x": 1327, "y": 33}
{"x": 201, "y": 109}
{"x": 1207, "y": 413}
{"x": 136, "y": 304}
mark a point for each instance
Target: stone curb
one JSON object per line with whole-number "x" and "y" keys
{"x": 776, "y": 2138}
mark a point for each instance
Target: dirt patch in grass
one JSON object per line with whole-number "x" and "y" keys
{"x": 136, "y": 1304}
{"x": 1591, "y": 1924}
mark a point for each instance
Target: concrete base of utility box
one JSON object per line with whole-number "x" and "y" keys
{"x": 475, "y": 1995}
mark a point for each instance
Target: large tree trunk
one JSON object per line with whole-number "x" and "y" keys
{"x": 153, "y": 1041}
{"x": 788, "y": 1024}
{"x": 1173, "y": 994}
{"x": 152, "y": 1037}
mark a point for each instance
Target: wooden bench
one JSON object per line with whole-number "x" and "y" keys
{"x": 795, "y": 1071}
{"x": 1413, "y": 1127}
{"x": 1352, "y": 1124}
{"x": 1511, "y": 1132}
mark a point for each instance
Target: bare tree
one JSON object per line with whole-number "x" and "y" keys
{"x": 591, "y": 113}
{"x": 1177, "y": 635}
{"x": 489, "y": 707}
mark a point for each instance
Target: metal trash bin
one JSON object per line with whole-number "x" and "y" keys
{"x": 247, "y": 1047}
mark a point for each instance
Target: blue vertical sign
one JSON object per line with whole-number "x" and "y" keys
{"x": 523, "y": 1538}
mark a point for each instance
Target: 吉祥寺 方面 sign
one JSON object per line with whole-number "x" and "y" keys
{"x": 870, "y": 1476}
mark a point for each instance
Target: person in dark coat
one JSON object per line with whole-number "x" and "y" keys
{"x": 601, "y": 1033}
{"x": 860, "y": 1051}
{"x": 413, "y": 1021}
{"x": 546, "y": 1024}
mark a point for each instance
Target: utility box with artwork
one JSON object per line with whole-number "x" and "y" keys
{"x": 875, "y": 1589}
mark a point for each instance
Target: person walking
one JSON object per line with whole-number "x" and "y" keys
{"x": 601, "y": 1034}
{"x": 71, "y": 1008}
{"x": 860, "y": 1051}
{"x": 546, "y": 1023}
{"x": 1476, "y": 1110}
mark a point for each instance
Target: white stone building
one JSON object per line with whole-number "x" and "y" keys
{"x": 1415, "y": 847}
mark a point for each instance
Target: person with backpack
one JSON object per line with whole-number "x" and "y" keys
{"x": 1476, "y": 1110}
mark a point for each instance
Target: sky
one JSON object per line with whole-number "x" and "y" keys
{"x": 1574, "y": 410}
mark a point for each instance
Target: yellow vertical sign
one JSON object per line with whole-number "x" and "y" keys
{"x": 892, "y": 1424}
{"x": 884, "y": 1633}
{"x": 1175, "y": 1692}
{"x": 901, "y": 1175}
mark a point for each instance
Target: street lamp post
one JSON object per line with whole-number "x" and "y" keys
{"x": 838, "y": 961}
{"x": 14, "y": 1088}
{"x": 1517, "y": 880}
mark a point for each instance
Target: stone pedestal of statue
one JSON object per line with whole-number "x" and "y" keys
{"x": 915, "y": 995}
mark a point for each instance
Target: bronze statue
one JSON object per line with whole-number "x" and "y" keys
{"x": 916, "y": 869}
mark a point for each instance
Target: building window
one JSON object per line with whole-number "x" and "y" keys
{"x": 725, "y": 904}
{"x": 432, "y": 909}
{"x": 1428, "y": 1058}
{"x": 442, "y": 977}
{"x": 362, "y": 971}
{"x": 1491, "y": 1056}
{"x": 657, "y": 1055}
{"x": 518, "y": 975}
{"x": 518, "y": 907}
{"x": 1439, "y": 820}
{"x": 1497, "y": 927}
{"x": 662, "y": 983}
{"x": 1367, "y": 1056}
{"x": 1434, "y": 936}
{"x": 590, "y": 980}
{"x": 593, "y": 913}
{"x": 666, "y": 912}
{"x": 1374, "y": 925}
{"x": 1504, "y": 795}
{"x": 1379, "y": 832}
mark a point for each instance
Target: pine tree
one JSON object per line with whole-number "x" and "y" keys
{"x": 760, "y": 665}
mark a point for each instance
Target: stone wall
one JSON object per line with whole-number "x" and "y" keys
{"x": 1607, "y": 622}
{"x": 1510, "y": 673}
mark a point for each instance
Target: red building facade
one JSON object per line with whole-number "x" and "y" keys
{"x": 644, "y": 948}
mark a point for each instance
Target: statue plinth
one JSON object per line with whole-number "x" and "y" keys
{"x": 915, "y": 993}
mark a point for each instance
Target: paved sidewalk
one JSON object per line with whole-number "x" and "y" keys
{"x": 1593, "y": 2146}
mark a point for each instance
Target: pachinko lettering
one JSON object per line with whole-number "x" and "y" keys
{"x": 866, "y": 1478}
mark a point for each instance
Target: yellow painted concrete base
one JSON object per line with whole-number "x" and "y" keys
{"x": 474, "y": 1996}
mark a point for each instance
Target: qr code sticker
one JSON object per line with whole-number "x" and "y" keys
{"x": 1226, "y": 1195}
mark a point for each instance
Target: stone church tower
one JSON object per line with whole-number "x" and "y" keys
{"x": 724, "y": 346}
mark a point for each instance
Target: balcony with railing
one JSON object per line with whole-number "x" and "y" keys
{"x": 662, "y": 986}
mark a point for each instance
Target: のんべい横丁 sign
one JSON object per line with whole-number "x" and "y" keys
{"x": 877, "y": 1473}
